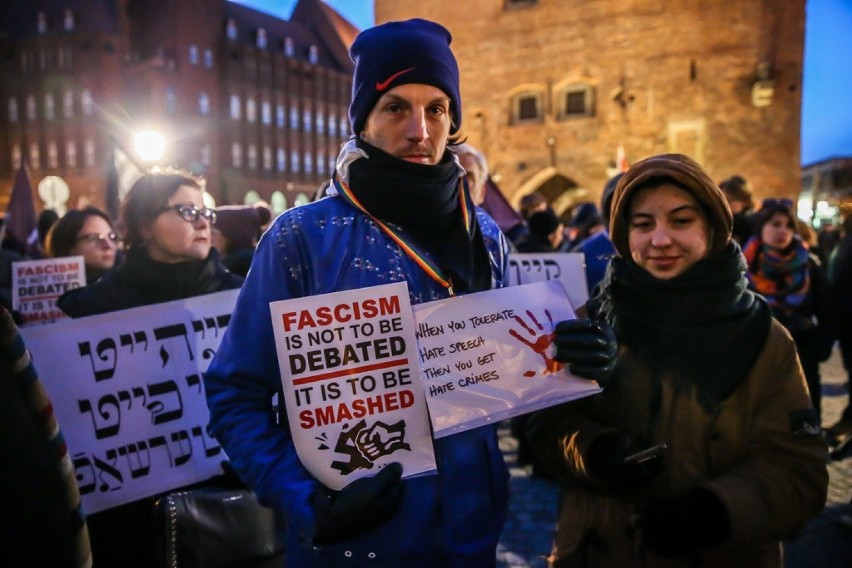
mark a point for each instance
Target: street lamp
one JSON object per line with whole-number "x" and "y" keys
{"x": 149, "y": 145}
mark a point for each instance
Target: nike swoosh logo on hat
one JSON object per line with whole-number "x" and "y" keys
{"x": 382, "y": 85}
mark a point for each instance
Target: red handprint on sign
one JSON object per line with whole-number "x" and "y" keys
{"x": 541, "y": 341}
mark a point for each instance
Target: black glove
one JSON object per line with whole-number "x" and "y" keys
{"x": 360, "y": 506}
{"x": 588, "y": 348}
{"x": 681, "y": 526}
{"x": 605, "y": 461}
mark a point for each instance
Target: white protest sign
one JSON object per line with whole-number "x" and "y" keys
{"x": 351, "y": 383}
{"x": 128, "y": 393}
{"x": 567, "y": 267}
{"x": 37, "y": 284}
{"x": 489, "y": 356}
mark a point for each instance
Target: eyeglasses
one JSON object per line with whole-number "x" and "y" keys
{"x": 97, "y": 239}
{"x": 777, "y": 202}
{"x": 190, "y": 213}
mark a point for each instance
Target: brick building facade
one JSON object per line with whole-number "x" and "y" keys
{"x": 551, "y": 88}
{"x": 256, "y": 104}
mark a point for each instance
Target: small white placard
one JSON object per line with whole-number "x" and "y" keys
{"x": 37, "y": 284}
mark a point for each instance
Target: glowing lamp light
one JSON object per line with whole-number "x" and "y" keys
{"x": 149, "y": 145}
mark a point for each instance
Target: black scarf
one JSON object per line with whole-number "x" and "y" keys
{"x": 704, "y": 326}
{"x": 424, "y": 201}
{"x": 162, "y": 282}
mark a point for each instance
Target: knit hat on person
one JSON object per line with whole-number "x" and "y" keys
{"x": 585, "y": 215}
{"x": 543, "y": 223}
{"x": 397, "y": 53}
{"x": 683, "y": 172}
{"x": 240, "y": 224}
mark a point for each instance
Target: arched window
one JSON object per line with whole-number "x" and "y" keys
{"x": 231, "y": 29}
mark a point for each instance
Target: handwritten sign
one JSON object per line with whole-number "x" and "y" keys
{"x": 566, "y": 267}
{"x": 489, "y": 356}
{"x": 128, "y": 392}
{"x": 37, "y": 284}
{"x": 351, "y": 383}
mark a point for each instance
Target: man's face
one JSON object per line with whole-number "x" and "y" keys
{"x": 410, "y": 122}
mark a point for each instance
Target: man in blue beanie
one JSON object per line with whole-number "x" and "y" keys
{"x": 397, "y": 200}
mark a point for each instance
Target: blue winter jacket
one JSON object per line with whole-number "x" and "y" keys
{"x": 453, "y": 518}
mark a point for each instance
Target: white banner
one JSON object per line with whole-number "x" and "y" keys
{"x": 566, "y": 267}
{"x": 489, "y": 356}
{"x": 37, "y": 284}
{"x": 128, "y": 392}
{"x": 351, "y": 383}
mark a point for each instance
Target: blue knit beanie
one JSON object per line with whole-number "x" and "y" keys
{"x": 397, "y": 53}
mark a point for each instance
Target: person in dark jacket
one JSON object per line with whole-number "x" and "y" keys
{"x": 840, "y": 283}
{"x": 705, "y": 384}
{"x": 791, "y": 278}
{"x": 236, "y": 232}
{"x": 169, "y": 254}
{"x": 546, "y": 233}
{"x": 169, "y": 257}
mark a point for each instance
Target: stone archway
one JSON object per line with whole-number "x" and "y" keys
{"x": 560, "y": 191}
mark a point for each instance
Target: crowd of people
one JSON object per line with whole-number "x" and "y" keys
{"x": 706, "y": 326}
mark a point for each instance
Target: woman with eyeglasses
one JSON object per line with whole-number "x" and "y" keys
{"x": 783, "y": 270}
{"x": 88, "y": 233}
{"x": 167, "y": 238}
{"x": 703, "y": 448}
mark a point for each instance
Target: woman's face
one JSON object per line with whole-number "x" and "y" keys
{"x": 777, "y": 233}
{"x": 95, "y": 242}
{"x": 668, "y": 231}
{"x": 172, "y": 239}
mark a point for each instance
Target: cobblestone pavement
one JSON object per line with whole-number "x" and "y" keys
{"x": 826, "y": 542}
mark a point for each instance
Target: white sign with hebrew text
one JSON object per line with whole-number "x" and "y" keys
{"x": 128, "y": 392}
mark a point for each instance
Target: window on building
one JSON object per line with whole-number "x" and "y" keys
{"x": 289, "y": 47}
{"x": 252, "y": 156}
{"x": 519, "y": 3}
{"x": 89, "y": 150}
{"x": 320, "y": 122}
{"x": 278, "y": 203}
{"x": 267, "y": 158}
{"x": 294, "y": 161}
{"x": 236, "y": 155}
{"x": 231, "y": 29}
{"x": 205, "y": 154}
{"x": 294, "y": 118}
{"x": 68, "y": 104}
{"x": 280, "y": 159}
{"x": 332, "y": 125}
{"x": 266, "y": 112}
{"x": 193, "y": 54}
{"x": 235, "y": 107}
{"x": 320, "y": 163}
{"x": 171, "y": 100}
{"x": 52, "y": 155}
{"x": 13, "y": 109}
{"x": 576, "y": 100}
{"x": 279, "y": 116}
{"x": 526, "y": 107}
{"x": 344, "y": 126}
{"x": 203, "y": 103}
{"x": 31, "y": 107}
{"x": 309, "y": 163}
{"x": 87, "y": 104}
{"x": 208, "y": 58}
{"x": 251, "y": 111}
{"x": 35, "y": 157}
{"x": 307, "y": 121}
{"x": 49, "y": 106}
{"x": 16, "y": 156}
{"x": 45, "y": 59}
{"x": 261, "y": 38}
{"x": 313, "y": 55}
{"x": 68, "y": 20}
{"x": 70, "y": 153}
{"x": 41, "y": 23}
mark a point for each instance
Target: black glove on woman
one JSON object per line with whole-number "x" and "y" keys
{"x": 681, "y": 526}
{"x": 588, "y": 348}
{"x": 360, "y": 506}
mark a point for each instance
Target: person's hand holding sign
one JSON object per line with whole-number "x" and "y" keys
{"x": 588, "y": 347}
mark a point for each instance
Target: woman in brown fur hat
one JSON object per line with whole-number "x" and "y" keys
{"x": 704, "y": 379}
